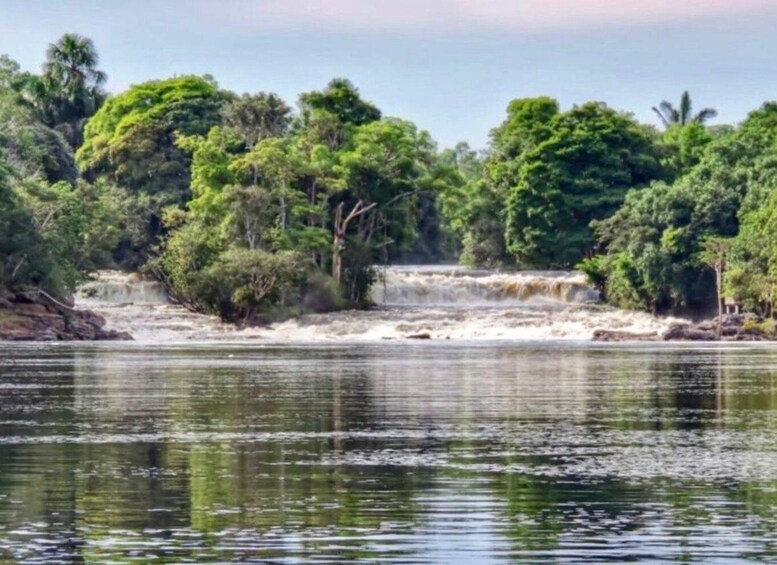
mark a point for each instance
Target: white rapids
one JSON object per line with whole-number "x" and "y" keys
{"x": 130, "y": 303}
{"x": 436, "y": 302}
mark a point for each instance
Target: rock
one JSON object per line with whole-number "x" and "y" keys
{"x": 685, "y": 332}
{"x": 31, "y": 309}
{"x": 82, "y": 330}
{"x": 113, "y": 335}
{"x": 26, "y": 298}
{"x": 614, "y": 336}
{"x": 420, "y": 336}
{"x": 26, "y": 316}
{"x": 94, "y": 319}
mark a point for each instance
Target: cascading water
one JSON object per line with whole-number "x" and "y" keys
{"x": 436, "y": 302}
{"x": 458, "y": 287}
{"x": 130, "y": 303}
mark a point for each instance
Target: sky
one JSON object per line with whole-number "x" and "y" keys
{"x": 451, "y": 66}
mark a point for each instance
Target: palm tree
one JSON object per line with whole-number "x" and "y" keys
{"x": 669, "y": 115}
{"x": 70, "y": 88}
{"x": 72, "y": 63}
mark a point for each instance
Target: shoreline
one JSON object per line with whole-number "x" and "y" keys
{"x": 37, "y": 317}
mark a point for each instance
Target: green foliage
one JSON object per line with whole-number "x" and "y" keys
{"x": 767, "y": 327}
{"x": 54, "y": 230}
{"x": 340, "y": 99}
{"x": 581, "y": 172}
{"x": 457, "y": 174}
{"x": 386, "y": 165}
{"x": 131, "y": 142}
{"x": 665, "y": 225}
{"x": 69, "y": 91}
{"x": 254, "y": 117}
{"x": 52, "y": 235}
{"x": 22, "y": 261}
{"x": 247, "y": 282}
{"x": 32, "y": 147}
{"x": 685, "y": 147}
{"x": 263, "y": 193}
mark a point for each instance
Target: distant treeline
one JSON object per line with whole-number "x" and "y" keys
{"x": 250, "y": 209}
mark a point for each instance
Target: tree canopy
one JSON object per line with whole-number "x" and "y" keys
{"x": 252, "y": 209}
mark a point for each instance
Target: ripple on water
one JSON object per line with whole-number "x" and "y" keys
{"x": 428, "y": 453}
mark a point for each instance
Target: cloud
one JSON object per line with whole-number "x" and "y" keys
{"x": 458, "y": 15}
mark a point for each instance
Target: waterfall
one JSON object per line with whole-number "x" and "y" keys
{"x": 112, "y": 288}
{"x": 411, "y": 301}
{"x": 140, "y": 306}
{"x": 458, "y": 287}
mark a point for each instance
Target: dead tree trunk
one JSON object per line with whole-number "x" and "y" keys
{"x": 339, "y": 232}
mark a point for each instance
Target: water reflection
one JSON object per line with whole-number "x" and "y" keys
{"x": 423, "y": 453}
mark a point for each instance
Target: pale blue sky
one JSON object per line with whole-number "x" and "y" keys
{"x": 449, "y": 65}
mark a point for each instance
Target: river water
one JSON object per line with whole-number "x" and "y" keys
{"x": 506, "y": 436}
{"x": 396, "y": 451}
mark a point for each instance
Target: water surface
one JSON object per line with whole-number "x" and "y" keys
{"x": 387, "y": 452}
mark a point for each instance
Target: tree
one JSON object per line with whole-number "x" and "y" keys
{"x": 72, "y": 63}
{"x": 9, "y": 73}
{"x": 685, "y": 147}
{"x": 32, "y": 148}
{"x": 131, "y": 142}
{"x": 70, "y": 89}
{"x": 340, "y": 230}
{"x": 658, "y": 232}
{"x": 713, "y": 254}
{"x": 479, "y": 211}
{"x": 669, "y": 115}
{"x": 579, "y": 170}
{"x": 255, "y": 117}
{"x": 341, "y": 99}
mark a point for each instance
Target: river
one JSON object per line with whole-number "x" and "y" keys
{"x": 507, "y": 436}
{"x": 411, "y": 452}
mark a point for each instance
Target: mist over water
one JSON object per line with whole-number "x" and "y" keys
{"x": 409, "y": 452}
{"x": 442, "y": 302}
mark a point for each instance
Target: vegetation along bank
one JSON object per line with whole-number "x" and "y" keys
{"x": 254, "y": 210}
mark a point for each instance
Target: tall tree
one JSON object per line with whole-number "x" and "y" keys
{"x": 70, "y": 89}
{"x": 713, "y": 254}
{"x": 683, "y": 115}
{"x": 131, "y": 141}
{"x": 341, "y": 99}
{"x": 586, "y": 161}
{"x": 72, "y": 62}
{"x": 255, "y": 117}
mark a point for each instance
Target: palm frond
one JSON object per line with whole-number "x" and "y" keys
{"x": 661, "y": 117}
{"x": 705, "y": 115}
{"x": 686, "y": 109}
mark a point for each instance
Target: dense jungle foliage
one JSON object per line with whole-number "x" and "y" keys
{"x": 253, "y": 209}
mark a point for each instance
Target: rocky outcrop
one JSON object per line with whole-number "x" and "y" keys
{"x": 610, "y": 336}
{"x": 734, "y": 327}
{"x": 36, "y": 316}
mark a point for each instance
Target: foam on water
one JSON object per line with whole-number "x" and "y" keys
{"x": 444, "y": 302}
{"x": 131, "y": 303}
{"x": 456, "y": 286}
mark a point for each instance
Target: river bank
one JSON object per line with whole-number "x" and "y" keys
{"x": 35, "y": 316}
{"x": 411, "y": 302}
{"x": 733, "y": 327}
